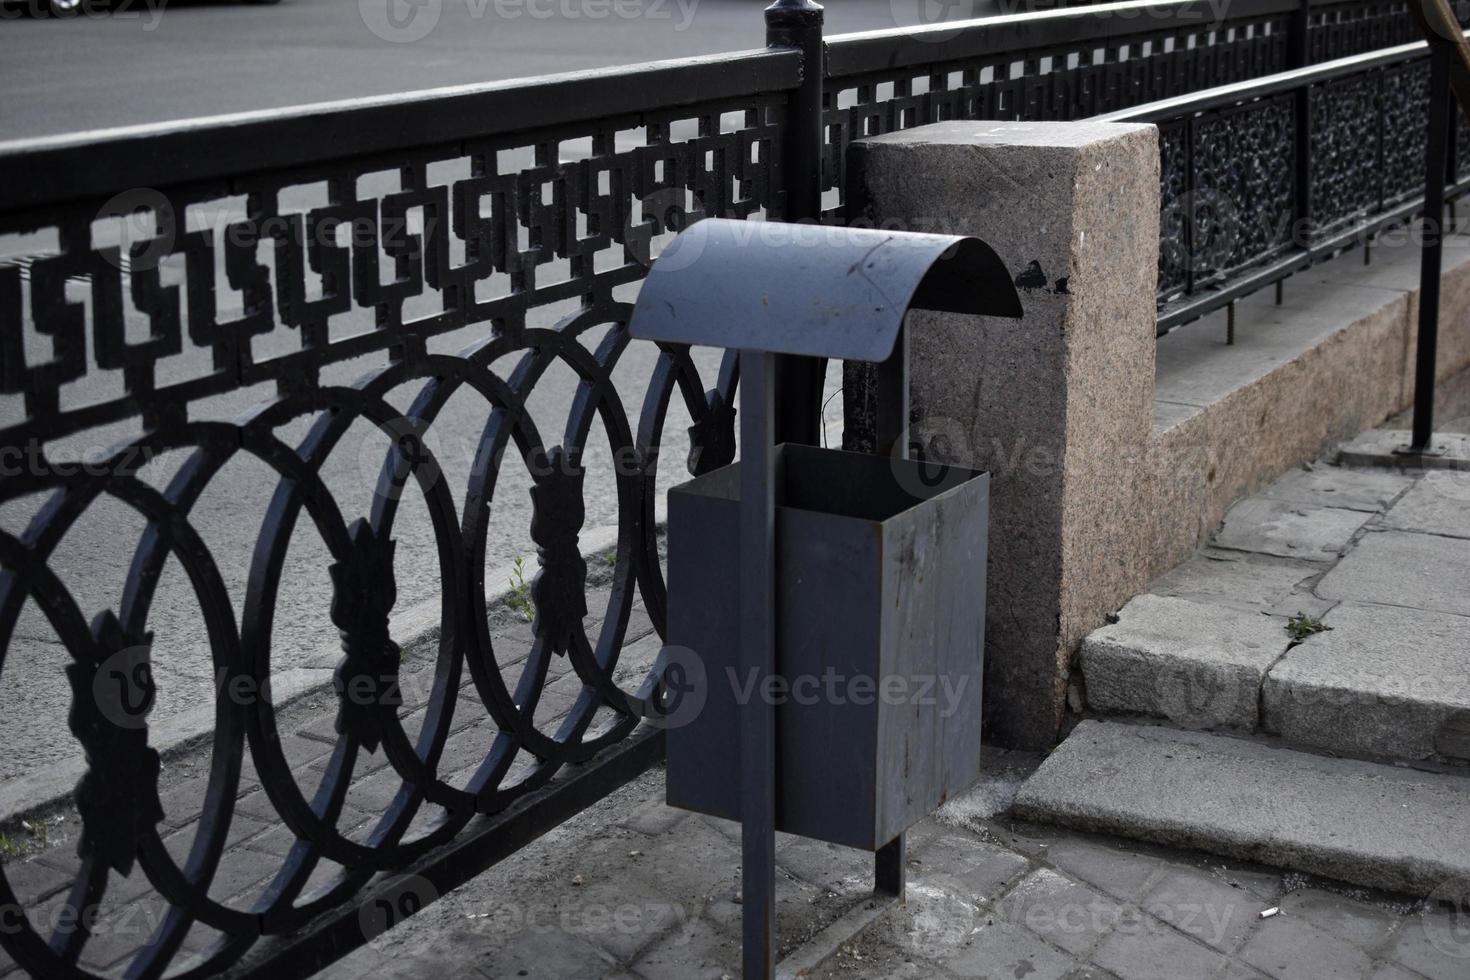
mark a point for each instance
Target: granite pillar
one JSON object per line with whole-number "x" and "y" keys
{"x": 1057, "y": 405}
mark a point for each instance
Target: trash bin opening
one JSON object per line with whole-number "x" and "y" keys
{"x": 856, "y": 485}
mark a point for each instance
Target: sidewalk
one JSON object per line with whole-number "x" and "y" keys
{"x": 634, "y": 889}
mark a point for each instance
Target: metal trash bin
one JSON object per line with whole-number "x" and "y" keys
{"x": 800, "y": 564}
{"x": 880, "y": 639}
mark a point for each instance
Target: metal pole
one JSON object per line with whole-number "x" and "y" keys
{"x": 1299, "y": 44}
{"x": 888, "y": 865}
{"x": 798, "y": 24}
{"x": 891, "y": 428}
{"x": 758, "y": 660}
{"x": 1299, "y": 55}
{"x": 1441, "y": 106}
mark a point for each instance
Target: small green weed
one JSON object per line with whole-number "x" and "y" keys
{"x": 520, "y": 591}
{"x": 1301, "y": 626}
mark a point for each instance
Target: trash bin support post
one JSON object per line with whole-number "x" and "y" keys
{"x": 758, "y": 660}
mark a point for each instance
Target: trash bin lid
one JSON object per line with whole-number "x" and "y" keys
{"x": 812, "y": 290}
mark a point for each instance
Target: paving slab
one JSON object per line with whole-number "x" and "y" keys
{"x": 1288, "y": 948}
{"x": 1399, "y": 568}
{"x": 1205, "y": 907}
{"x": 1438, "y": 504}
{"x": 1337, "y": 486}
{"x": 1362, "y": 925}
{"x": 1197, "y": 664}
{"x": 1251, "y": 583}
{"x": 1290, "y": 529}
{"x": 1375, "y": 825}
{"x": 1383, "y": 681}
{"x": 1435, "y": 944}
{"x": 1145, "y": 955}
{"x": 1376, "y": 448}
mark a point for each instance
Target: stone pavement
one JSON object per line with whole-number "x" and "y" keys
{"x": 1298, "y": 691}
{"x": 633, "y": 889}
{"x": 1331, "y": 609}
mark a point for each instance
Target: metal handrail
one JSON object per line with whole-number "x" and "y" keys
{"x": 890, "y": 48}
{"x": 1223, "y": 288}
{"x": 1238, "y": 93}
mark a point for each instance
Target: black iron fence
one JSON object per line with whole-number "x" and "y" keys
{"x": 475, "y": 243}
{"x": 1264, "y": 178}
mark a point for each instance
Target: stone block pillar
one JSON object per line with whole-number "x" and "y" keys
{"x": 1058, "y": 405}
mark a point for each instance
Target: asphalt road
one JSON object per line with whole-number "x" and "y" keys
{"x": 142, "y": 64}
{"x": 151, "y": 60}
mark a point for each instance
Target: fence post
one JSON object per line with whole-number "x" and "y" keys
{"x": 1299, "y": 55}
{"x": 1299, "y": 36}
{"x": 798, "y": 24}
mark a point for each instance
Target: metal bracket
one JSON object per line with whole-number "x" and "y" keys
{"x": 1431, "y": 451}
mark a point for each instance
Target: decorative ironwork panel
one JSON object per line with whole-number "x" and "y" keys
{"x": 1101, "y": 74}
{"x": 1175, "y": 210}
{"x": 1345, "y": 150}
{"x": 1405, "y": 128}
{"x": 1242, "y": 197}
{"x": 528, "y": 236}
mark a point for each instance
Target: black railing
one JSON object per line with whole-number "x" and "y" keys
{"x": 1263, "y": 179}
{"x": 465, "y": 243}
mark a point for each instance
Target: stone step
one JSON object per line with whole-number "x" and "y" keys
{"x": 1369, "y": 824}
{"x": 1382, "y": 681}
{"x": 1199, "y": 665}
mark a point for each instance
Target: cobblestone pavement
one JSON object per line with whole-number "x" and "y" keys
{"x": 635, "y": 889}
